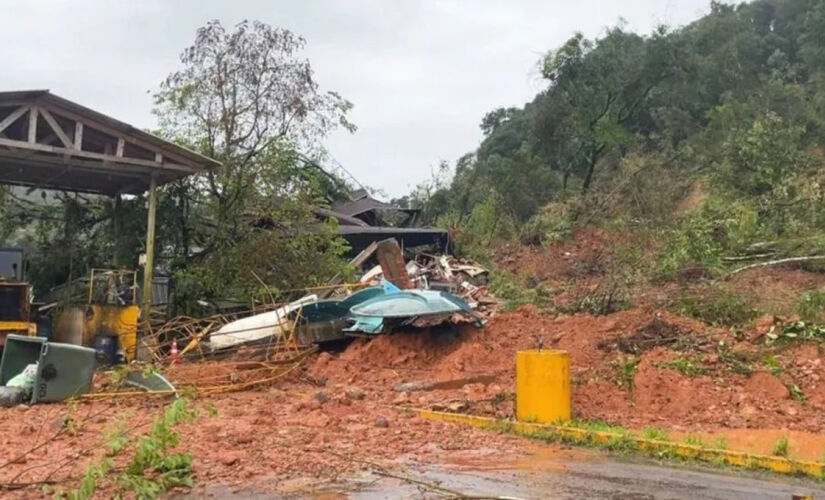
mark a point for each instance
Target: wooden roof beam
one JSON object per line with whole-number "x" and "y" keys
{"x": 95, "y": 156}
{"x": 61, "y": 134}
{"x": 17, "y": 113}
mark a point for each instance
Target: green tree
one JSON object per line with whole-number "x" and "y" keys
{"x": 246, "y": 98}
{"x": 598, "y": 90}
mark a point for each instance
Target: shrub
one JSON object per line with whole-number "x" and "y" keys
{"x": 720, "y": 307}
{"x": 626, "y": 368}
{"x": 812, "y": 306}
{"x": 154, "y": 468}
{"x": 552, "y": 223}
{"x": 780, "y": 448}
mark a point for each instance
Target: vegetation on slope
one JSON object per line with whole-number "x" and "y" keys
{"x": 702, "y": 145}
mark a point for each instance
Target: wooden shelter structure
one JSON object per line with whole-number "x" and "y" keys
{"x": 49, "y": 142}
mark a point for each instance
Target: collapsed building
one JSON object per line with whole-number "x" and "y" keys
{"x": 363, "y": 220}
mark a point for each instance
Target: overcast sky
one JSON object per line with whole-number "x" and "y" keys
{"x": 420, "y": 73}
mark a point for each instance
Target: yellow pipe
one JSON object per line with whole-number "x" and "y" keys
{"x": 652, "y": 446}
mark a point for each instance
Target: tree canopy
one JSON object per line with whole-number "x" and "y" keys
{"x": 734, "y": 97}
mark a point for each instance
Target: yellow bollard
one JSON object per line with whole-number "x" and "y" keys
{"x": 542, "y": 386}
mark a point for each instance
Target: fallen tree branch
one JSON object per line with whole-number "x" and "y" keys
{"x": 737, "y": 258}
{"x": 19, "y": 486}
{"x": 776, "y": 262}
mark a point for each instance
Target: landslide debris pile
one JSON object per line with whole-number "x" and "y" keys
{"x": 635, "y": 368}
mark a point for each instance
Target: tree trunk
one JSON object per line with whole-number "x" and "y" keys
{"x": 588, "y": 179}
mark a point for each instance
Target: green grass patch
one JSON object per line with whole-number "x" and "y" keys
{"x": 772, "y": 364}
{"x": 694, "y": 441}
{"x": 796, "y": 393}
{"x": 597, "y": 426}
{"x": 685, "y": 366}
{"x": 781, "y": 447}
{"x": 655, "y": 433}
{"x": 719, "y": 308}
{"x": 515, "y": 293}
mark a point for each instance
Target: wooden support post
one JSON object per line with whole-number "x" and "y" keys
{"x": 148, "y": 267}
{"x": 116, "y": 232}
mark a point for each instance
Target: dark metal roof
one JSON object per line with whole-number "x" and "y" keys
{"x": 341, "y": 218}
{"x": 112, "y": 157}
{"x": 359, "y": 237}
{"x": 360, "y": 206}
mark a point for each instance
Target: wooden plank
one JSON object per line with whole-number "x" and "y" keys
{"x": 95, "y": 156}
{"x": 121, "y": 144}
{"x": 356, "y": 262}
{"x": 17, "y": 113}
{"x": 33, "y": 125}
{"x": 78, "y": 136}
{"x": 21, "y": 159}
{"x": 56, "y": 127}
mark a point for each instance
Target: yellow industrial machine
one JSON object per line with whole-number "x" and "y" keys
{"x": 15, "y": 296}
{"x": 108, "y": 321}
{"x": 15, "y": 310}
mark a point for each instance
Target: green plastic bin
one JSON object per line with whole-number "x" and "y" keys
{"x": 63, "y": 370}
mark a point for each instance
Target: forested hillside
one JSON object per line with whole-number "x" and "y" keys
{"x": 651, "y": 161}
{"x": 629, "y": 125}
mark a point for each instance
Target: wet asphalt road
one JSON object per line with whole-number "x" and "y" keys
{"x": 591, "y": 475}
{"x": 582, "y": 479}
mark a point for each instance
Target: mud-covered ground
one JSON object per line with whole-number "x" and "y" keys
{"x": 727, "y": 384}
{"x": 339, "y": 414}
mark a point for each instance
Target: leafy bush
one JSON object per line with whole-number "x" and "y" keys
{"x": 154, "y": 468}
{"x": 690, "y": 243}
{"x": 551, "y": 223}
{"x": 510, "y": 288}
{"x": 781, "y": 447}
{"x": 811, "y": 306}
{"x": 719, "y": 307}
{"x": 795, "y": 330}
{"x": 626, "y": 368}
